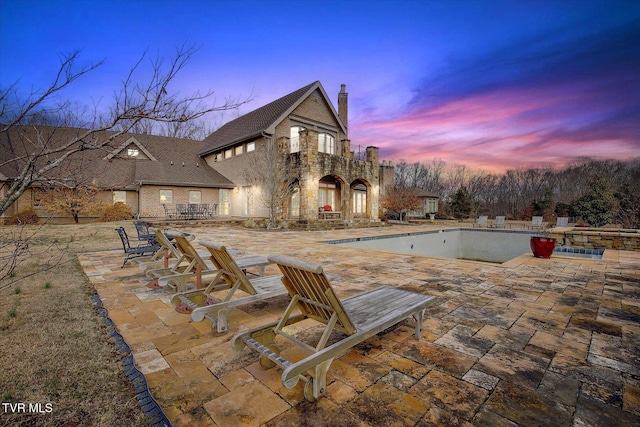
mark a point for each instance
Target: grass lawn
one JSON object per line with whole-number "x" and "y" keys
{"x": 54, "y": 348}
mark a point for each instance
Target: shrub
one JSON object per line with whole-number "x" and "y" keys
{"x": 26, "y": 216}
{"x": 116, "y": 212}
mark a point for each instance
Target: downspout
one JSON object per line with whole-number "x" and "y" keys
{"x": 139, "y": 207}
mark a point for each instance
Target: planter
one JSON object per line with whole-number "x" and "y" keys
{"x": 542, "y": 247}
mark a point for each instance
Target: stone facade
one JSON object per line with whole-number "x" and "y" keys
{"x": 347, "y": 172}
{"x": 307, "y": 166}
{"x": 628, "y": 240}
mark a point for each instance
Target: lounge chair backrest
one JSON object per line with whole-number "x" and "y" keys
{"x": 166, "y": 244}
{"x": 500, "y": 220}
{"x": 227, "y": 267}
{"x": 316, "y": 298}
{"x": 536, "y": 221}
{"x": 124, "y": 238}
{"x": 562, "y": 221}
{"x": 482, "y": 219}
{"x": 188, "y": 251}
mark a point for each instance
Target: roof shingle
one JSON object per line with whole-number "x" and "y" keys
{"x": 255, "y": 122}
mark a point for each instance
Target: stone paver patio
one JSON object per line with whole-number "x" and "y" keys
{"x": 531, "y": 342}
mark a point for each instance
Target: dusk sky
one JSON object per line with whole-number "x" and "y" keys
{"x": 494, "y": 85}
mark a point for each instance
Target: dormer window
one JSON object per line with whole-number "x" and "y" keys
{"x": 133, "y": 152}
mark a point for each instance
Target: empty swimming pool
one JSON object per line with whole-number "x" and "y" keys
{"x": 459, "y": 243}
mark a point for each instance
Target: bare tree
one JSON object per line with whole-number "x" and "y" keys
{"x": 81, "y": 199}
{"x": 39, "y": 150}
{"x": 274, "y": 181}
{"x": 133, "y": 103}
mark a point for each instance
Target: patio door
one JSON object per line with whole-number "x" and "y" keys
{"x": 359, "y": 201}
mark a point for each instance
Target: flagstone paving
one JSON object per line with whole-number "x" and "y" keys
{"x": 530, "y": 342}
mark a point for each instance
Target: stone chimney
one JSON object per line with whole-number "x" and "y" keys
{"x": 343, "y": 104}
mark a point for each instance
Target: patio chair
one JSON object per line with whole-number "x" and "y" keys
{"x": 499, "y": 222}
{"x": 188, "y": 262}
{"x": 195, "y": 266}
{"x": 142, "y": 228}
{"x": 134, "y": 251}
{"x": 168, "y": 212}
{"x": 167, "y": 249}
{"x": 359, "y": 317}
{"x": 482, "y": 221}
{"x": 230, "y": 277}
{"x": 536, "y": 223}
{"x": 562, "y": 221}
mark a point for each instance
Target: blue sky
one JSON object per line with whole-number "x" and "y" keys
{"x": 489, "y": 84}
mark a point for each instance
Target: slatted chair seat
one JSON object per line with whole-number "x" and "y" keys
{"x": 359, "y": 317}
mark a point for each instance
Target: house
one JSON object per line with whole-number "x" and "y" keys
{"x": 149, "y": 173}
{"x": 428, "y": 204}
{"x": 143, "y": 171}
{"x": 312, "y": 144}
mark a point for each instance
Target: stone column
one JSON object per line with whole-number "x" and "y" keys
{"x": 309, "y": 175}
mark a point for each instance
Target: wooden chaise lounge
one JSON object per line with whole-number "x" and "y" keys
{"x": 359, "y": 317}
{"x": 230, "y": 277}
{"x": 191, "y": 267}
{"x": 167, "y": 249}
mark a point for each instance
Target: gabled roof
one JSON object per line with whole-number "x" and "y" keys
{"x": 426, "y": 194}
{"x": 126, "y": 144}
{"x": 262, "y": 120}
{"x": 161, "y": 166}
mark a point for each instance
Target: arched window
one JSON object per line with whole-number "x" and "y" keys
{"x": 326, "y": 143}
{"x": 294, "y": 140}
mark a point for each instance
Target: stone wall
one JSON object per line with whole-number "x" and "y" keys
{"x": 595, "y": 238}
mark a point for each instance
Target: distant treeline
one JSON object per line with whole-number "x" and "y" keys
{"x": 521, "y": 193}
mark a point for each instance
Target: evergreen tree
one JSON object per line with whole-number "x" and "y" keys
{"x": 461, "y": 203}
{"x": 597, "y": 204}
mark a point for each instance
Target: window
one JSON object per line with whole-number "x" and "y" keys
{"x": 326, "y": 143}
{"x": 251, "y": 146}
{"x": 133, "y": 152}
{"x": 294, "y": 204}
{"x": 218, "y": 157}
{"x": 432, "y": 205}
{"x": 223, "y": 206}
{"x": 327, "y": 194}
{"x": 238, "y": 150}
{"x": 294, "y": 141}
{"x": 228, "y": 153}
{"x": 359, "y": 199}
{"x": 119, "y": 196}
{"x": 166, "y": 197}
{"x": 248, "y": 201}
{"x": 195, "y": 197}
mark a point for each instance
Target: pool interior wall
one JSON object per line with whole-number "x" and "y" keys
{"x": 460, "y": 243}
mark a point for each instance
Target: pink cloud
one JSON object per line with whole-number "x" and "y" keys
{"x": 497, "y": 131}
